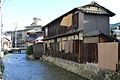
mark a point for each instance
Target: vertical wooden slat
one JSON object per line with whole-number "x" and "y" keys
{"x": 108, "y": 55}
{"x": 96, "y": 53}
{"x": 119, "y": 53}
{"x": 90, "y": 52}
{"x": 38, "y": 50}
{"x": 81, "y": 52}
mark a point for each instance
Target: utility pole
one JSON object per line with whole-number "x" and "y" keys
{"x": 0, "y": 29}
{"x": 15, "y": 34}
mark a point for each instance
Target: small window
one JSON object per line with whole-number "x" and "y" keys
{"x": 75, "y": 20}
{"x": 98, "y": 8}
{"x": 89, "y": 7}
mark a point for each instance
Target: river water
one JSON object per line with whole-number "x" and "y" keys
{"x": 17, "y": 67}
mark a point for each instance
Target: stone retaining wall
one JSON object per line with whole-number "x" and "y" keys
{"x": 89, "y": 70}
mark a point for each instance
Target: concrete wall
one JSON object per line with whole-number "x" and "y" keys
{"x": 89, "y": 70}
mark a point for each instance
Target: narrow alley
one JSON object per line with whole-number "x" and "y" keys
{"x": 17, "y": 67}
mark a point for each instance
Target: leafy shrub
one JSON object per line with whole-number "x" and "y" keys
{"x": 29, "y": 50}
{"x": 2, "y": 68}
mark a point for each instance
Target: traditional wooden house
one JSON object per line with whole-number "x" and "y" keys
{"x": 74, "y": 35}
{"x": 34, "y": 34}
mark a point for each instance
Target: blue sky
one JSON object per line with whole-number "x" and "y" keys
{"x": 23, "y": 11}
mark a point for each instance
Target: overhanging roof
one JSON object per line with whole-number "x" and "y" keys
{"x": 73, "y": 10}
{"x": 108, "y": 12}
{"x": 92, "y": 34}
{"x": 98, "y": 33}
{"x": 36, "y": 26}
{"x": 94, "y": 4}
{"x": 63, "y": 35}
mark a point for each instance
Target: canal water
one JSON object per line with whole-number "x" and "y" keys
{"x": 17, "y": 67}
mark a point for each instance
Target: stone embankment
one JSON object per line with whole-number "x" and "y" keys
{"x": 1, "y": 69}
{"x": 89, "y": 70}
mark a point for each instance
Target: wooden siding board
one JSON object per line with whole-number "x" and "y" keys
{"x": 81, "y": 21}
{"x": 108, "y": 55}
{"x": 96, "y": 22}
{"x": 76, "y": 49}
{"x": 103, "y": 39}
{"x": 81, "y": 52}
{"x": 91, "y": 39}
{"x": 114, "y": 57}
{"x": 75, "y": 20}
{"x": 90, "y": 52}
{"x": 38, "y": 50}
{"x": 119, "y": 53}
{"x": 100, "y": 57}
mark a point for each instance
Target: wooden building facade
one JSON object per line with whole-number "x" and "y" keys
{"x": 66, "y": 37}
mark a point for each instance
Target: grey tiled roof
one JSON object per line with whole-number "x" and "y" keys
{"x": 97, "y": 33}
{"x": 84, "y": 10}
{"x": 92, "y": 11}
{"x": 94, "y": 4}
{"x": 93, "y": 33}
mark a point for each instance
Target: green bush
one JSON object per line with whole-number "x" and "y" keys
{"x": 2, "y": 68}
{"x": 29, "y": 50}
